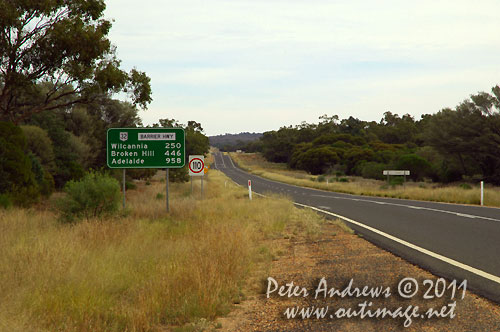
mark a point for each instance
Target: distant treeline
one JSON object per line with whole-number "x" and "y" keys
{"x": 233, "y": 142}
{"x": 454, "y": 144}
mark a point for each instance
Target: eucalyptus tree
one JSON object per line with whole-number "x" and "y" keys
{"x": 55, "y": 54}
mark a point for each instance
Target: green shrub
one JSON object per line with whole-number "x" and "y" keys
{"x": 465, "y": 186}
{"x": 343, "y": 180}
{"x": 129, "y": 185}
{"x": 5, "y": 201}
{"x": 94, "y": 196}
{"x": 373, "y": 170}
{"x": 16, "y": 176}
{"x": 178, "y": 174}
{"x": 321, "y": 178}
{"x": 418, "y": 166}
{"x": 40, "y": 144}
{"x": 43, "y": 178}
{"x": 396, "y": 180}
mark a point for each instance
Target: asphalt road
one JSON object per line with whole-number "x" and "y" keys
{"x": 450, "y": 240}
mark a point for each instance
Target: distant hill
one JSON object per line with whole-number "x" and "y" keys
{"x": 231, "y": 142}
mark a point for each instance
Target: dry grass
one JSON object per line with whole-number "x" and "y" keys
{"x": 359, "y": 186}
{"x": 142, "y": 272}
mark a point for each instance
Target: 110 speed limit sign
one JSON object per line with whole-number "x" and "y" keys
{"x": 196, "y": 165}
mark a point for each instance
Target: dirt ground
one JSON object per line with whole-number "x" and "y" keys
{"x": 339, "y": 256}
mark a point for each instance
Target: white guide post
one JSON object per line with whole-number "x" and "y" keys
{"x": 250, "y": 189}
{"x": 482, "y": 193}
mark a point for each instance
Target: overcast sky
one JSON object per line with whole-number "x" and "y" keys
{"x": 257, "y": 65}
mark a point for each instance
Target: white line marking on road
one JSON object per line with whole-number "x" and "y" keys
{"x": 222, "y": 157}
{"x": 231, "y": 159}
{"x": 215, "y": 160}
{"x": 445, "y": 259}
{"x": 411, "y": 207}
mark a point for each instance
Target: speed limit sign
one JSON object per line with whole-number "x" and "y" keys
{"x": 196, "y": 165}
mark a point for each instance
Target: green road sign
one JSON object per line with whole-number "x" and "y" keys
{"x": 146, "y": 148}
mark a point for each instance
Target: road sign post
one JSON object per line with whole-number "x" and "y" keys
{"x": 167, "y": 190}
{"x": 396, "y": 172}
{"x": 482, "y": 193}
{"x": 250, "y": 189}
{"x": 146, "y": 148}
{"x": 196, "y": 167}
{"x": 123, "y": 189}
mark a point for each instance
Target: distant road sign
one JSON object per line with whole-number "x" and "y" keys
{"x": 196, "y": 165}
{"x": 395, "y": 172}
{"x": 146, "y": 148}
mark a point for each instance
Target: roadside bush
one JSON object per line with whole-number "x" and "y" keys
{"x": 16, "y": 177}
{"x": 396, "y": 181}
{"x": 5, "y": 202}
{"x": 43, "y": 178}
{"x": 40, "y": 144}
{"x": 178, "y": 174}
{"x": 129, "y": 185}
{"x": 94, "y": 196}
{"x": 418, "y": 166}
{"x": 373, "y": 170}
{"x": 465, "y": 186}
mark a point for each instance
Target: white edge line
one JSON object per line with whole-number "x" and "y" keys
{"x": 445, "y": 259}
{"x": 412, "y": 246}
{"x": 231, "y": 160}
{"x": 222, "y": 157}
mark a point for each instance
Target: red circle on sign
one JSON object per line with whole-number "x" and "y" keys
{"x": 202, "y": 163}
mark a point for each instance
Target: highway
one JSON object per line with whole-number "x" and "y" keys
{"x": 450, "y": 240}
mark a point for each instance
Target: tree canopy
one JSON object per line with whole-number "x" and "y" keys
{"x": 55, "y": 53}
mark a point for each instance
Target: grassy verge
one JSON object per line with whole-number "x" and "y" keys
{"x": 255, "y": 164}
{"x": 145, "y": 271}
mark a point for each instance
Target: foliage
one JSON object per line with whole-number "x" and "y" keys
{"x": 465, "y": 186}
{"x": 16, "y": 175}
{"x": 373, "y": 170}
{"x": 418, "y": 166}
{"x": 5, "y": 201}
{"x": 55, "y": 54}
{"x": 40, "y": 144}
{"x": 396, "y": 180}
{"x": 470, "y": 135}
{"x": 93, "y": 196}
{"x": 65, "y": 157}
{"x": 43, "y": 178}
{"x": 315, "y": 159}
